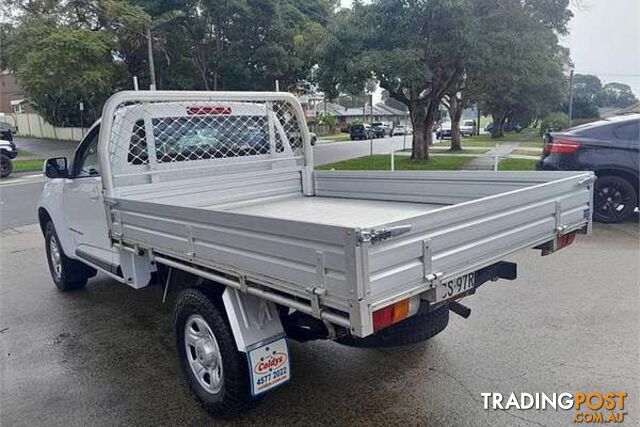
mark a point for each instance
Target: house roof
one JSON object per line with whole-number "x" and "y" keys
{"x": 378, "y": 110}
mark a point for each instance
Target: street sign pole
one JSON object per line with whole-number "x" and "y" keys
{"x": 81, "y": 108}
{"x": 570, "y": 97}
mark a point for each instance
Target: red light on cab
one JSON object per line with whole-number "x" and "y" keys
{"x": 208, "y": 110}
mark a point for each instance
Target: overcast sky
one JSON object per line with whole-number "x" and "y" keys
{"x": 605, "y": 40}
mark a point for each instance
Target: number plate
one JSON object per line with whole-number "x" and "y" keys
{"x": 453, "y": 287}
{"x": 269, "y": 366}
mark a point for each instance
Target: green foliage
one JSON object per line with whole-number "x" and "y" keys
{"x": 521, "y": 72}
{"x": 616, "y": 95}
{"x": 393, "y": 103}
{"x": 67, "y": 52}
{"x": 554, "y": 121}
{"x": 415, "y": 49}
{"x": 589, "y": 94}
{"x": 329, "y": 120}
{"x": 59, "y": 67}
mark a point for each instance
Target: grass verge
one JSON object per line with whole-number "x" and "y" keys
{"x": 438, "y": 149}
{"x": 517, "y": 165}
{"x": 383, "y": 162}
{"x": 23, "y": 153}
{"x": 27, "y": 165}
{"x": 522, "y": 152}
{"x": 338, "y": 137}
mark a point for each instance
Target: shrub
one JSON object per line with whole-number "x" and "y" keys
{"x": 554, "y": 121}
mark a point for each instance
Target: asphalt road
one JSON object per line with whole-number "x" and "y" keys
{"x": 105, "y": 355}
{"x": 19, "y": 193}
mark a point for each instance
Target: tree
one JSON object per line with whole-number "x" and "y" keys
{"x": 197, "y": 44}
{"x": 415, "y": 49}
{"x": 617, "y": 95}
{"x": 587, "y": 87}
{"x": 522, "y": 62}
{"x": 393, "y": 103}
{"x": 456, "y": 100}
{"x": 59, "y": 67}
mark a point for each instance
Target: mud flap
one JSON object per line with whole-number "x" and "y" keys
{"x": 258, "y": 332}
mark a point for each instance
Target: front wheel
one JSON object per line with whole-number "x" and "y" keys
{"x": 216, "y": 372}
{"x": 614, "y": 199}
{"x": 67, "y": 274}
{"x": 6, "y": 167}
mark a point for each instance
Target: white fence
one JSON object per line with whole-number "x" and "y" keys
{"x": 32, "y": 124}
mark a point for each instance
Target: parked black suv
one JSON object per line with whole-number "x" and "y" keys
{"x": 608, "y": 147}
{"x": 361, "y": 131}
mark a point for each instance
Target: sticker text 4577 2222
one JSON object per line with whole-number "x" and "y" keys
{"x": 269, "y": 366}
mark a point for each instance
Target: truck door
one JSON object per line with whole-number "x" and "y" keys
{"x": 84, "y": 206}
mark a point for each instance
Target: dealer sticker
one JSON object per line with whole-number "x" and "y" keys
{"x": 269, "y": 366}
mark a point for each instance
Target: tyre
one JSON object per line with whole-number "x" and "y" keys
{"x": 415, "y": 329}
{"x": 614, "y": 199}
{"x": 215, "y": 371}
{"x": 67, "y": 274}
{"x": 313, "y": 141}
{"x": 6, "y": 167}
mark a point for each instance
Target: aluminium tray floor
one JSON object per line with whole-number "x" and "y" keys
{"x": 332, "y": 210}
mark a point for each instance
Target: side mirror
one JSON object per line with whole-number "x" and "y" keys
{"x": 56, "y": 167}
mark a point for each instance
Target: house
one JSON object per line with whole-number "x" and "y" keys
{"x": 12, "y": 99}
{"x": 344, "y": 116}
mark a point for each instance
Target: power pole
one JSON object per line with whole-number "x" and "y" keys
{"x": 570, "y": 97}
{"x": 152, "y": 68}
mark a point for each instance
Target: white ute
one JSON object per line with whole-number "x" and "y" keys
{"x": 214, "y": 195}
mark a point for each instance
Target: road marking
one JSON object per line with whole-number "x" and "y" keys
{"x": 23, "y": 180}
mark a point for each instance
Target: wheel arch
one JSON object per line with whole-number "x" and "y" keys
{"x": 43, "y": 218}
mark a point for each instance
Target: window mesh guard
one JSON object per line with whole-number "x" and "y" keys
{"x": 150, "y": 136}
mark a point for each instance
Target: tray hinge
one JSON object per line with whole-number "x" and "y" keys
{"x": 434, "y": 278}
{"x": 374, "y": 235}
{"x": 558, "y": 216}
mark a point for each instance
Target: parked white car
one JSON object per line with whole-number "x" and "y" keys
{"x": 401, "y": 130}
{"x": 467, "y": 127}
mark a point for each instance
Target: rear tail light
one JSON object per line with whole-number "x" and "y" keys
{"x": 565, "y": 240}
{"x": 561, "y": 146}
{"x": 558, "y": 243}
{"x": 395, "y": 312}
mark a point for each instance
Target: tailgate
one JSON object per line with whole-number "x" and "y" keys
{"x": 465, "y": 237}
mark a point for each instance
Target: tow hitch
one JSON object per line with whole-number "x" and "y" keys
{"x": 460, "y": 309}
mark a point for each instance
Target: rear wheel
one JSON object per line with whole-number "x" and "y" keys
{"x": 614, "y": 199}
{"x": 67, "y": 274}
{"x": 216, "y": 372}
{"x": 415, "y": 329}
{"x": 6, "y": 167}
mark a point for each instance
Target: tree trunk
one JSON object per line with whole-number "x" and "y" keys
{"x": 456, "y": 116}
{"x": 422, "y": 121}
{"x": 420, "y": 146}
{"x": 498, "y": 123}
